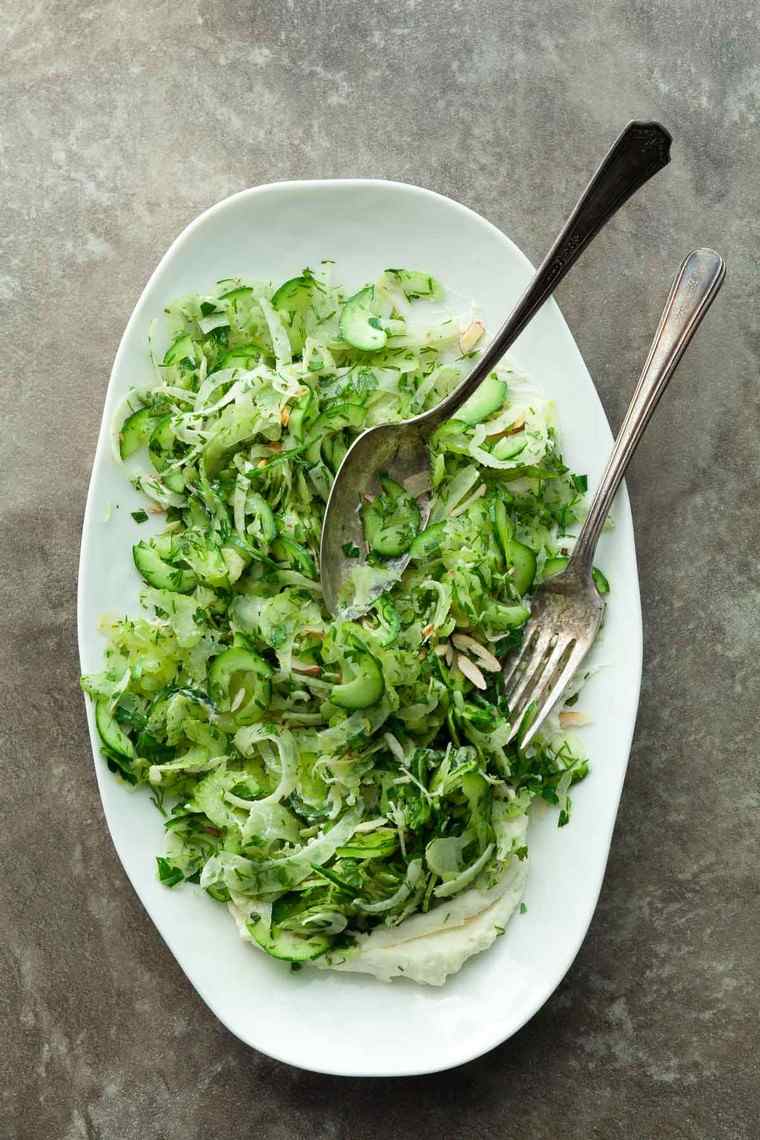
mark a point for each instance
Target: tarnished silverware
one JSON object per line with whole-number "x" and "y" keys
{"x": 567, "y": 610}
{"x": 400, "y": 449}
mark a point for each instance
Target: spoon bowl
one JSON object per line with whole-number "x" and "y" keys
{"x": 399, "y": 450}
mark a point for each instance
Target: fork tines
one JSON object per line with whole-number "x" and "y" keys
{"x": 536, "y": 678}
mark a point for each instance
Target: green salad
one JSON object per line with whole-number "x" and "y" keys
{"x": 333, "y": 781}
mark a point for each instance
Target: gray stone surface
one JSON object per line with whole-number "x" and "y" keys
{"x": 120, "y": 123}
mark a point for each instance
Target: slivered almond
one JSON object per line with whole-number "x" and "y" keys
{"x": 471, "y": 671}
{"x": 570, "y": 718}
{"x": 285, "y": 416}
{"x": 511, "y": 429}
{"x": 486, "y": 659}
{"x": 471, "y": 336}
{"x": 370, "y": 825}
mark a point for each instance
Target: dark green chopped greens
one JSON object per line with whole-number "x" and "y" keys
{"x": 329, "y": 776}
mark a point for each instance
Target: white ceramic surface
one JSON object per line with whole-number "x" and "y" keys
{"x": 336, "y": 1023}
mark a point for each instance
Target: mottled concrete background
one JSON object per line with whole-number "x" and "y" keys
{"x": 120, "y": 122}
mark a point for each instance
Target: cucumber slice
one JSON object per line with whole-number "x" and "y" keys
{"x": 286, "y": 549}
{"x": 294, "y": 296}
{"x": 207, "y": 562}
{"x": 428, "y": 543}
{"x": 414, "y": 284}
{"x": 180, "y": 349}
{"x": 505, "y": 617}
{"x": 556, "y": 565}
{"x": 110, "y": 732}
{"x": 364, "y": 690}
{"x": 600, "y": 580}
{"x": 244, "y": 356}
{"x": 334, "y": 419}
{"x": 299, "y": 413}
{"x": 392, "y": 540}
{"x": 390, "y": 620}
{"x": 510, "y": 446}
{"x": 161, "y": 443}
{"x": 292, "y": 300}
{"x": 135, "y": 431}
{"x": 237, "y": 669}
{"x": 237, "y": 294}
{"x": 523, "y": 562}
{"x": 161, "y": 452}
{"x": 161, "y": 574}
{"x": 335, "y": 451}
{"x": 358, "y": 325}
{"x": 391, "y": 521}
{"x": 286, "y": 945}
{"x": 488, "y": 398}
{"x": 163, "y": 544}
{"x": 519, "y": 558}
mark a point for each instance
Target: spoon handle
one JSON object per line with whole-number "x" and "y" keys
{"x": 641, "y": 150}
{"x": 693, "y": 291}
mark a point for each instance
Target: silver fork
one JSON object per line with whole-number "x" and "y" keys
{"x": 567, "y": 610}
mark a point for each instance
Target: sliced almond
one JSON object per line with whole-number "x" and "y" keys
{"x": 486, "y": 659}
{"x": 370, "y": 825}
{"x": 471, "y": 671}
{"x": 510, "y": 429}
{"x": 237, "y": 700}
{"x": 306, "y": 667}
{"x": 449, "y": 655}
{"x": 275, "y": 446}
{"x": 441, "y": 649}
{"x": 471, "y": 336}
{"x": 427, "y": 631}
{"x": 285, "y": 416}
{"x": 261, "y": 463}
{"x": 571, "y": 718}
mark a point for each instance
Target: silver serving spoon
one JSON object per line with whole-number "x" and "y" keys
{"x": 400, "y": 449}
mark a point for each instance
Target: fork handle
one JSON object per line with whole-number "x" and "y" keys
{"x": 693, "y": 291}
{"x": 636, "y": 155}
